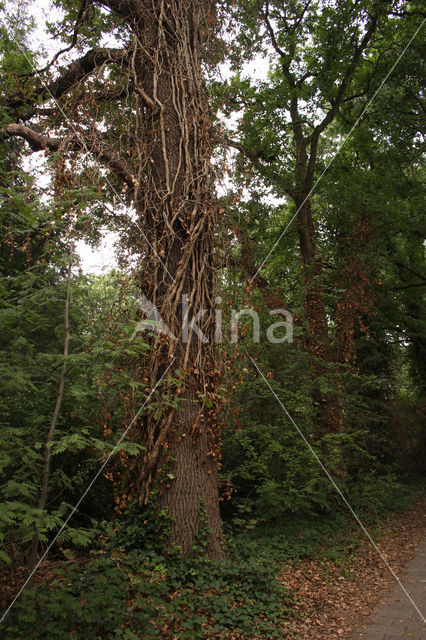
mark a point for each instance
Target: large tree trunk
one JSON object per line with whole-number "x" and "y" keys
{"x": 169, "y": 173}
{"x": 176, "y": 211}
{"x": 193, "y": 493}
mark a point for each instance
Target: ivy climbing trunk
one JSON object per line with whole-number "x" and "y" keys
{"x": 176, "y": 211}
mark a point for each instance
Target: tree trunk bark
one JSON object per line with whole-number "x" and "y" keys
{"x": 193, "y": 491}
{"x": 177, "y": 213}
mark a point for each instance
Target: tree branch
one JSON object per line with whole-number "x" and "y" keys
{"x": 80, "y": 18}
{"x": 254, "y": 158}
{"x": 76, "y": 142}
{"x": 290, "y": 78}
{"x": 76, "y": 71}
{"x": 337, "y": 101}
{"x": 129, "y": 9}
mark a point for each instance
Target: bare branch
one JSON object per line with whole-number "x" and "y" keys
{"x": 44, "y": 489}
{"x": 76, "y": 142}
{"x": 80, "y": 18}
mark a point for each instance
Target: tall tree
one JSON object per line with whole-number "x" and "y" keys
{"x": 325, "y": 56}
{"x": 141, "y": 111}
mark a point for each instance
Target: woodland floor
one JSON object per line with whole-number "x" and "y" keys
{"x": 336, "y": 600}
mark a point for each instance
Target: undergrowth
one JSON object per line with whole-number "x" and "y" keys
{"x": 130, "y": 589}
{"x": 137, "y": 595}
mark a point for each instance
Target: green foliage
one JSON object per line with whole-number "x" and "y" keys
{"x": 32, "y": 332}
{"x": 137, "y": 594}
{"x": 122, "y": 583}
{"x": 143, "y": 592}
{"x": 375, "y": 177}
{"x": 374, "y": 493}
{"x": 147, "y": 529}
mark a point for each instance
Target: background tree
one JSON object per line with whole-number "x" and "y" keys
{"x": 325, "y": 58}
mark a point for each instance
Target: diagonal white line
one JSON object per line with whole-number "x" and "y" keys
{"x": 312, "y": 450}
{"x": 340, "y": 148}
{"x": 92, "y": 482}
{"x": 70, "y": 123}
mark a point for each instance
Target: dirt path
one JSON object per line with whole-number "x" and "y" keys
{"x": 395, "y": 617}
{"x": 336, "y": 603}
